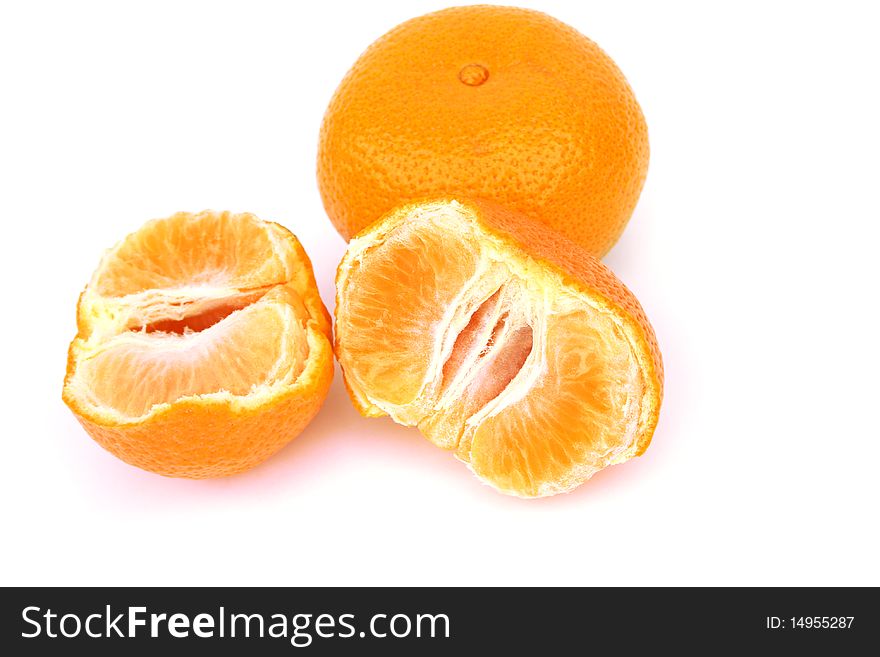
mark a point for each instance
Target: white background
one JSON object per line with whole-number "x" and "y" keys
{"x": 753, "y": 250}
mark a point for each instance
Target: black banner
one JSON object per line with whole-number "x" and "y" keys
{"x": 431, "y": 621}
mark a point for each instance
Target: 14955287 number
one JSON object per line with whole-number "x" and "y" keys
{"x": 822, "y": 622}
{"x": 809, "y": 622}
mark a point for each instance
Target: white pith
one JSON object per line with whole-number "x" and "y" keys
{"x": 125, "y": 325}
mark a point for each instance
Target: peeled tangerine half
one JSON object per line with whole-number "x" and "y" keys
{"x": 203, "y": 346}
{"x": 500, "y": 341}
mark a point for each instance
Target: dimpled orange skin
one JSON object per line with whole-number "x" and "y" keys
{"x": 490, "y": 102}
{"x": 198, "y": 440}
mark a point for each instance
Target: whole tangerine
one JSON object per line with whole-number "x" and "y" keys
{"x": 499, "y": 103}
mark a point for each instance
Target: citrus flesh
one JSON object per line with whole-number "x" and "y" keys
{"x": 490, "y": 102}
{"x": 499, "y": 340}
{"x": 202, "y": 346}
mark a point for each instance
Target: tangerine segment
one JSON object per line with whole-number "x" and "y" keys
{"x": 499, "y": 340}
{"x": 203, "y": 345}
{"x": 253, "y": 347}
